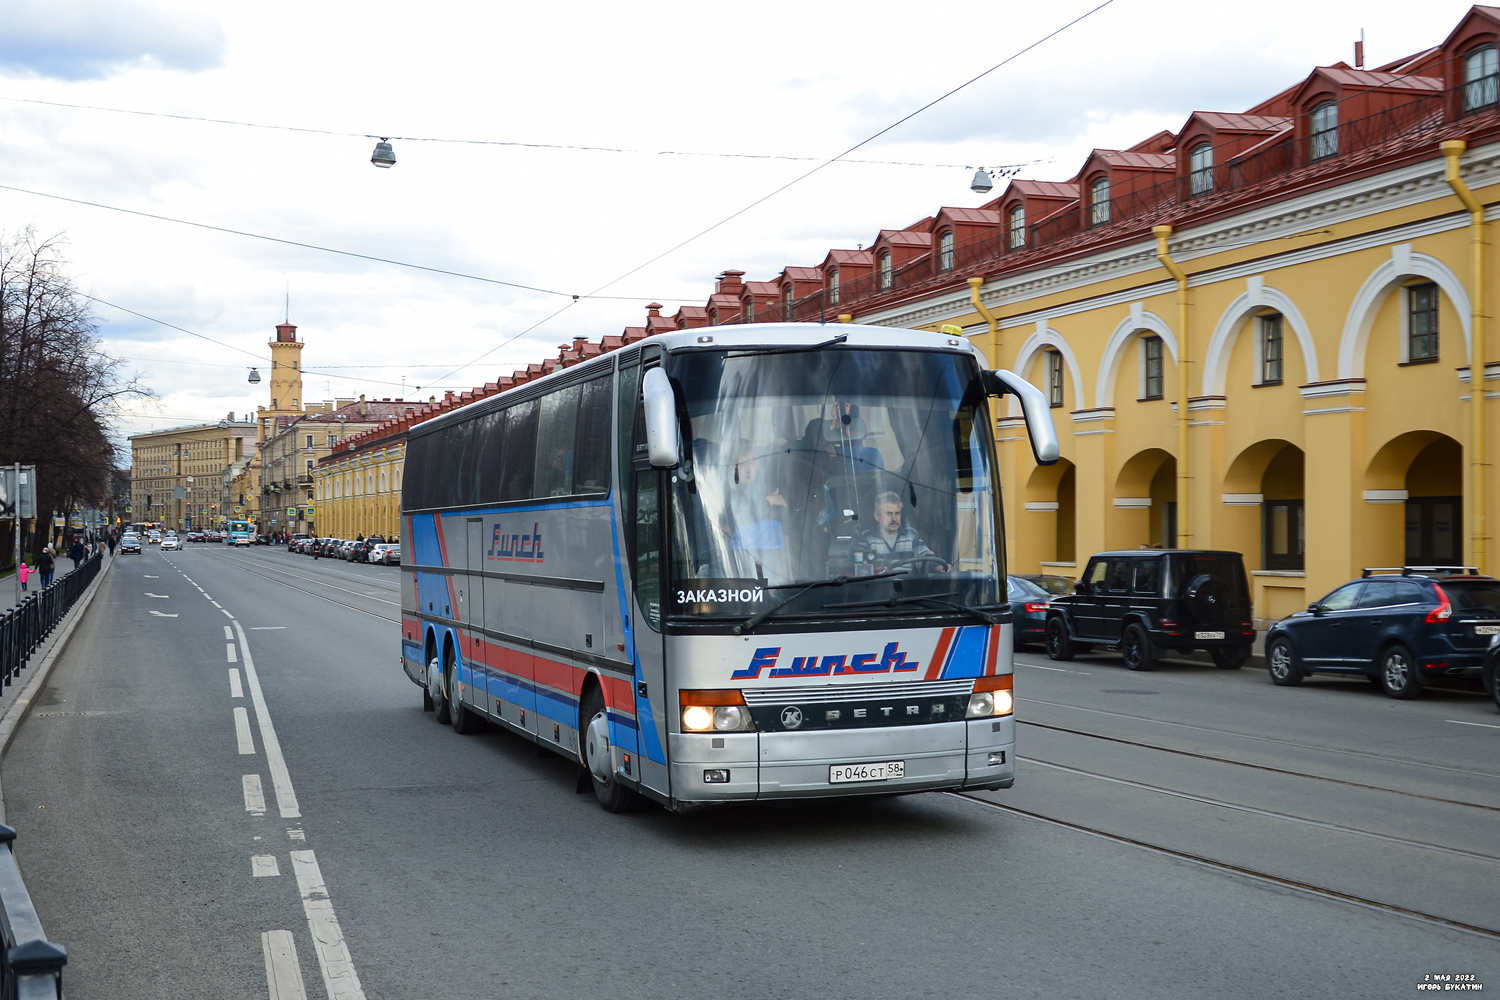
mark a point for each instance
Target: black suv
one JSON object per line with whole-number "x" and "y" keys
{"x": 1145, "y": 601}
{"x": 1399, "y": 628}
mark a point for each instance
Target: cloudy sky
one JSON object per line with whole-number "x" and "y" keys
{"x": 652, "y": 80}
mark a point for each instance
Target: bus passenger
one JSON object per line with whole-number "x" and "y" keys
{"x": 890, "y": 544}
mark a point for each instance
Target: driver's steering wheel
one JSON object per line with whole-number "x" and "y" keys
{"x": 918, "y": 560}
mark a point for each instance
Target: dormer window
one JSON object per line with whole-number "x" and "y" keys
{"x": 786, "y": 301}
{"x": 1481, "y": 78}
{"x": 885, "y": 270}
{"x": 1325, "y": 130}
{"x": 1017, "y": 226}
{"x": 1099, "y": 201}
{"x": 945, "y": 251}
{"x": 713, "y": 316}
{"x": 1201, "y": 168}
{"x": 833, "y": 287}
{"x": 750, "y": 309}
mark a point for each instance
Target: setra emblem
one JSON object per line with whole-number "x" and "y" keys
{"x": 791, "y": 717}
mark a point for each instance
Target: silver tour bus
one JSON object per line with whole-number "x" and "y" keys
{"x": 726, "y": 564}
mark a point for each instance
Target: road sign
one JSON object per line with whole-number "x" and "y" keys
{"x": 291, "y": 512}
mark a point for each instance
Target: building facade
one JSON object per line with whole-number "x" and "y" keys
{"x": 1257, "y": 332}
{"x": 176, "y": 475}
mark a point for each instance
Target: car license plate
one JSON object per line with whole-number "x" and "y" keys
{"x": 839, "y": 774}
{"x": 1487, "y": 629}
{"x": 1208, "y": 635}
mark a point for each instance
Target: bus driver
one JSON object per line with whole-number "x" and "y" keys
{"x": 892, "y": 544}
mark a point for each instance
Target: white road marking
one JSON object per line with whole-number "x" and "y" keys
{"x": 229, "y": 651}
{"x": 162, "y": 615}
{"x": 1038, "y": 666}
{"x": 242, "y": 731}
{"x": 286, "y": 797}
{"x": 160, "y": 597}
{"x": 264, "y": 866}
{"x": 283, "y": 972}
{"x": 228, "y": 632}
{"x": 235, "y": 691}
{"x": 296, "y": 834}
{"x": 266, "y": 628}
{"x": 150, "y": 577}
{"x": 333, "y": 955}
{"x": 1483, "y": 724}
{"x": 226, "y": 613}
{"x": 255, "y": 797}
{"x": 216, "y": 604}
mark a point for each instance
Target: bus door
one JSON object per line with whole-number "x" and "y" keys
{"x": 640, "y": 511}
{"x": 471, "y": 613}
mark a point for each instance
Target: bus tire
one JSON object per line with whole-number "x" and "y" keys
{"x": 426, "y": 700}
{"x": 594, "y": 754}
{"x": 464, "y": 720}
{"x": 436, "y": 691}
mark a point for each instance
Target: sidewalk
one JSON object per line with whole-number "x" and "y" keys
{"x": 15, "y": 699}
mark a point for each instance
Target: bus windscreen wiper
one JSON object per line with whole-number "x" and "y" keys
{"x": 985, "y": 616}
{"x": 746, "y": 626}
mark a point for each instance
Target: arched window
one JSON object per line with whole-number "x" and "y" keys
{"x": 1054, "y": 377}
{"x": 750, "y": 309}
{"x": 885, "y": 270}
{"x": 1325, "y": 130}
{"x": 833, "y": 287}
{"x": 1099, "y": 201}
{"x": 1201, "y": 168}
{"x": 945, "y": 251}
{"x": 1017, "y": 226}
{"x": 1481, "y": 76}
{"x": 786, "y": 302}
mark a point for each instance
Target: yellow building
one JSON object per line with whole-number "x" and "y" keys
{"x": 1304, "y": 282}
{"x": 176, "y": 475}
{"x": 359, "y": 491}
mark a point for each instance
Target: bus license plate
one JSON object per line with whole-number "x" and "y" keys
{"x": 839, "y": 774}
{"x": 1487, "y": 629}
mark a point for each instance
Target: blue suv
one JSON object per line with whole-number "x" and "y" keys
{"x": 1399, "y": 629}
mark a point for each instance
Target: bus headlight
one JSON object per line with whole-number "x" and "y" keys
{"x": 992, "y": 696}
{"x": 718, "y": 711}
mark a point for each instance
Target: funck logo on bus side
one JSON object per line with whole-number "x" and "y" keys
{"x": 890, "y": 660}
{"x": 516, "y": 548}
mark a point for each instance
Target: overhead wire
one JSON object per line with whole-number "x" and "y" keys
{"x": 487, "y": 142}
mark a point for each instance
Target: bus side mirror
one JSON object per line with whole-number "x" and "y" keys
{"x": 1036, "y": 409}
{"x": 661, "y": 419}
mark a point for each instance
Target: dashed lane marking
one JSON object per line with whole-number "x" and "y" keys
{"x": 283, "y": 972}
{"x": 235, "y": 691}
{"x": 226, "y": 613}
{"x": 160, "y": 597}
{"x": 286, "y": 797}
{"x": 255, "y": 797}
{"x": 266, "y": 628}
{"x": 339, "y": 976}
{"x": 161, "y": 614}
{"x": 229, "y": 651}
{"x": 264, "y": 866}
{"x": 1484, "y": 725}
{"x": 242, "y": 731}
{"x": 228, "y": 632}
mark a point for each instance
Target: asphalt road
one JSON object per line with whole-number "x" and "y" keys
{"x": 170, "y": 850}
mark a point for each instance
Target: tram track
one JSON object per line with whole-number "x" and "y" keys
{"x": 1255, "y": 767}
{"x": 1265, "y": 878}
{"x": 325, "y": 597}
{"x": 1363, "y": 754}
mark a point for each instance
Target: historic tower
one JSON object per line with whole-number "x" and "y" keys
{"x": 286, "y": 370}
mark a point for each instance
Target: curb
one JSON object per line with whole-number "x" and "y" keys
{"x": 18, "y": 709}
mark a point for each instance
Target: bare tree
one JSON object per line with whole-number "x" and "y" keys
{"x": 57, "y": 385}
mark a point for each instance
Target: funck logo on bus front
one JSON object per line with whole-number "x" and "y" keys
{"x": 516, "y": 548}
{"x": 889, "y": 660}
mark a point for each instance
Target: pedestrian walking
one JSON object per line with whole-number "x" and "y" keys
{"x": 78, "y": 554}
{"x": 22, "y": 573}
{"x": 111, "y": 545}
{"x": 46, "y": 565}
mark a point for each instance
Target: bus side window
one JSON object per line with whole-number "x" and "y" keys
{"x": 648, "y": 545}
{"x": 520, "y": 451}
{"x": 554, "y": 446}
{"x": 489, "y": 442}
{"x": 630, "y": 383}
{"x": 591, "y": 442}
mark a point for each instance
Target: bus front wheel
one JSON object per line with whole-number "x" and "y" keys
{"x": 597, "y": 759}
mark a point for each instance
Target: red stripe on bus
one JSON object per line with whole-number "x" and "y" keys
{"x": 989, "y": 662}
{"x": 939, "y": 655}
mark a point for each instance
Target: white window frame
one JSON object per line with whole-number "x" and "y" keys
{"x": 1406, "y": 292}
{"x": 1201, "y": 169}
{"x": 1325, "y": 138}
{"x": 1141, "y": 339}
{"x": 833, "y": 287}
{"x": 1099, "y": 206}
{"x": 945, "y": 250}
{"x": 1260, "y": 325}
{"x": 887, "y": 270}
{"x": 1017, "y": 226}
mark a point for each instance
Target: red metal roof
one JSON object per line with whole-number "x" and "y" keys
{"x": 1224, "y": 121}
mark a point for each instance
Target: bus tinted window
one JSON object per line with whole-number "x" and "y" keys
{"x": 489, "y": 438}
{"x": 520, "y": 451}
{"x": 591, "y": 443}
{"x": 630, "y": 382}
{"x": 554, "y": 445}
{"x": 413, "y": 492}
{"x": 455, "y": 467}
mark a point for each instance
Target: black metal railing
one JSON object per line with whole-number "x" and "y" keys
{"x": 25, "y": 627}
{"x": 32, "y": 966}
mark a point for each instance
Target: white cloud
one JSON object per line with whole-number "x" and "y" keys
{"x": 94, "y": 39}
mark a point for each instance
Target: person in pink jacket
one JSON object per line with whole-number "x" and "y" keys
{"x": 23, "y": 573}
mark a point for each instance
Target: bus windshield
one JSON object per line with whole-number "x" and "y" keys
{"x": 810, "y": 465}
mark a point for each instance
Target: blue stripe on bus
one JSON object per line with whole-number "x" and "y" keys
{"x": 967, "y": 654}
{"x": 647, "y": 721}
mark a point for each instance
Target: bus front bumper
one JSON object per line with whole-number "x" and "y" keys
{"x": 727, "y": 767}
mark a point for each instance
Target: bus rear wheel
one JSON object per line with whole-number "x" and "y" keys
{"x": 437, "y": 691}
{"x": 596, "y": 758}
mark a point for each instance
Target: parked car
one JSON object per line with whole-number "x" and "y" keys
{"x": 1399, "y": 629}
{"x": 376, "y": 554}
{"x": 171, "y": 542}
{"x": 362, "y": 550}
{"x": 130, "y": 543}
{"x": 1491, "y": 660}
{"x": 1028, "y": 610}
{"x": 392, "y": 554}
{"x": 1146, "y": 602}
